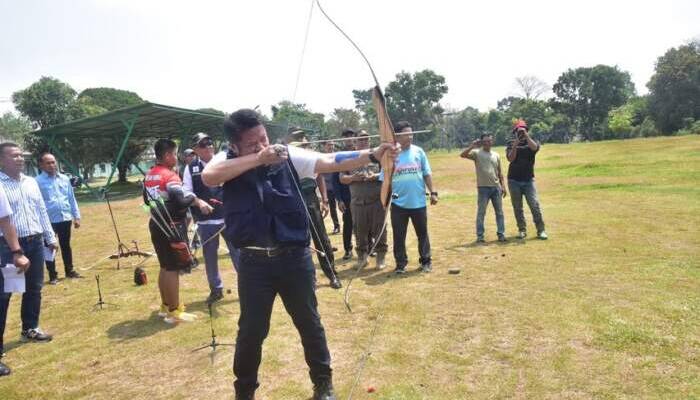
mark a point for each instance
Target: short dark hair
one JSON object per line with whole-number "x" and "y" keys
{"x": 240, "y": 121}
{"x": 163, "y": 146}
{"x": 347, "y": 132}
{"x": 401, "y": 125}
{"x": 483, "y": 135}
{"x": 43, "y": 154}
{"x": 5, "y": 145}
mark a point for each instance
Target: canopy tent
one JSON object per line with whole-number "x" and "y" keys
{"x": 146, "y": 120}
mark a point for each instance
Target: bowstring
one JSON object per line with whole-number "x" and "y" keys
{"x": 303, "y": 51}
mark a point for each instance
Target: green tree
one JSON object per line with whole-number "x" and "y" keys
{"x": 14, "y": 127}
{"x": 340, "y": 119}
{"x": 364, "y": 106}
{"x": 94, "y": 101}
{"x": 286, "y": 114}
{"x": 45, "y": 102}
{"x": 674, "y": 89}
{"x": 624, "y": 121}
{"x": 416, "y": 97}
{"x": 586, "y": 96}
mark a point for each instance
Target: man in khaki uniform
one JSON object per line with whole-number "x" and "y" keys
{"x": 366, "y": 207}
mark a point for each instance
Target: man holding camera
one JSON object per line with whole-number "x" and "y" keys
{"x": 489, "y": 182}
{"x": 521, "y": 152}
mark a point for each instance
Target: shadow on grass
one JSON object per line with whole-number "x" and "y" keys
{"x": 202, "y": 306}
{"x": 512, "y": 241}
{"x": 139, "y": 328}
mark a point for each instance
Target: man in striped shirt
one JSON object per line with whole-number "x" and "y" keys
{"x": 33, "y": 227}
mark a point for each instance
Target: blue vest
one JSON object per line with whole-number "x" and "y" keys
{"x": 205, "y": 193}
{"x": 262, "y": 208}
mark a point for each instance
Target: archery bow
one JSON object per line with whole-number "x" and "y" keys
{"x": 386, "y": 134}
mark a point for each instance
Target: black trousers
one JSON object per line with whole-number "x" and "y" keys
{"x": 399, "y": 225}
{"x": 62, "y": 230}
{"x": 334, "y": 208}
{"x": 347, "y": 227}
{"x": 319, "y": 235}
{"x": 260, "y": 280}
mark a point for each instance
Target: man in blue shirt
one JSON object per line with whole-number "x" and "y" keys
{"x": 63, "y": 212}
{"x": 412, "y": 175}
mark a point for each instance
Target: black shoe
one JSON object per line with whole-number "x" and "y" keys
{"x": 335, "y": 283}
{"x": 4, "y": 369}
{"x": 35, "y": 335}
{"x": 245, "y": 396}
{"x": 336, "y": 230}
{"x": 53, "y": 281}
{"x": 502, "y": 238}
{"x": 323, "y": 390}
{"x": 400, "y": 270}
{"x": 73, "y": 275}
{"x": 427, "y": 267}
{"x": 348, "y": 255}
{"x": 215, "y": 295}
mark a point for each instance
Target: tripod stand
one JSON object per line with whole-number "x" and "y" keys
{"x": 100, "y": 301}
{"x": 122, "y": 250}
{"x": 214, "y": 343}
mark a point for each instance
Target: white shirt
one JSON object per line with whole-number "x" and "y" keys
{"x": 188, "y": 188}
{"x": 5, "y": 210}
{"x": 304, "y": 161}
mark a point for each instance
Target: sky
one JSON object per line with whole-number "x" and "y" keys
{"x": 233, "y": 54}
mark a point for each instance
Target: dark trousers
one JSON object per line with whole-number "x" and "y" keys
{"x": 347, "y": 227}
{"x": 334, "y": 208}
{"x": 62, "y": 230}
{"x": 319, "y": 235}
{"x": 399, "y": 225}
{"x": 33, "y": 247}
{"x": 260, "y": 280}
{"x": 210, "y": 250}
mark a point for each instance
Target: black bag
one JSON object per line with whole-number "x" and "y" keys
{"x": 140, "y": 277}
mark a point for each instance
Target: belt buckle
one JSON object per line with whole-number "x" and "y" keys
{"x": 269, "y": 252}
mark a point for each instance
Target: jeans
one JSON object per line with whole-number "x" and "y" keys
{"x": 260, "y": 280}
{"x": 526, "y": 188}
{"x": 347, "y": 227}
{"x": 62, "y": 230}
{"x": 211, "y": 253}
{"x": 33, "y": 247}
{"x": 399, "y": 224}
{"x": 492, "y": 193}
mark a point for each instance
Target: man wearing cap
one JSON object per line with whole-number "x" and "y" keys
{"x": 367, "y": 210}
{"x": 63, "y": 211}
{"x": 207, "y": 212}
{"x": 342, "y": 195}
{"x": 317, "y": 210}
{"x": 188, "y": 155}
{"x": 266, "y": 219}
{"x": 521, "y": 152}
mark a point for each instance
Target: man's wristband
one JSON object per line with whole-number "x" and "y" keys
{"x": 18, "y": 252}
{"x": 433, "y": 193}
{"x": 372, "y": 158}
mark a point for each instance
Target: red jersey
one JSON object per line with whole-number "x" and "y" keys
{"x": 161, "y": 182}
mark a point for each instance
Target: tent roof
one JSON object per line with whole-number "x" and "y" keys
{"x": 151, "y": 120}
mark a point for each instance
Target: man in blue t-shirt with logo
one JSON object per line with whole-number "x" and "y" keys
{"x": 412, "y": 175}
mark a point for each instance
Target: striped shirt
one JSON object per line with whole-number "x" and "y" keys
{"x": 58, "y": 197}
{"x": 28, "y": 210}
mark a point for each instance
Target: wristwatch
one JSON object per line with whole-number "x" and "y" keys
{"x": 18, "y": 252}
{"x": 434, "y": 193}
{"x": 373, "y": 158}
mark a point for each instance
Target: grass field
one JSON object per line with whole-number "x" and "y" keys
{"x": 608, "y": 308}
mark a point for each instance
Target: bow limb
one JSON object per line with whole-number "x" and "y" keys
{"x": 386, "y": 135}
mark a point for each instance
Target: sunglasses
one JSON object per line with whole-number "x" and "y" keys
{"x": 205, "y": 143}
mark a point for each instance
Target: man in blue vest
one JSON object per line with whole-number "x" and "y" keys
{"x": 208, "y": 213}
{"x": 266, "y": 219}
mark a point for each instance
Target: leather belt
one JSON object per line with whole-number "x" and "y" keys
{"x": 270, "y": 251}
